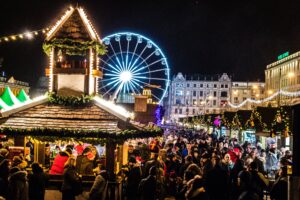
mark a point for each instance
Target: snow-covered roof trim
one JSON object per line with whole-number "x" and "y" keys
{"x": 113, "y": 109}
{"x": 5, "y": 112}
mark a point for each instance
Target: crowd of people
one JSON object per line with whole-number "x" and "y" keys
{"x": 183, "y": 165}
{"x": 197, "y": 165}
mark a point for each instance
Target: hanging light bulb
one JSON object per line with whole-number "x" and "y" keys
{"x": 29, "y": 35}
{"x": 21, "y": 36}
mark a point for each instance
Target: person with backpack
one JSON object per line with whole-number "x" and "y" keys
{"x": 72, "y": 185}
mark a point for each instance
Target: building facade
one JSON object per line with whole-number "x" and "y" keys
{"x": 15, "y": 85}
{"x": 195, "y": 95}
{"x": 284, "y": 74}
{"x": 240, "y": 91}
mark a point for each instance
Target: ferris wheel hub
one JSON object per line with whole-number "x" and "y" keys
{"x": 125, "y": 76}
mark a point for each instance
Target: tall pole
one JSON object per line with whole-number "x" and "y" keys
{"x": 279, "y": 95}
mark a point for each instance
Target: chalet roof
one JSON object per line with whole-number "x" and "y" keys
{"x": 46, "y": 115}
{"x": 98, "y": 119}
{"x": 74, "y": 24}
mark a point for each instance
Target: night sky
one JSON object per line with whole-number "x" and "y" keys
{"x": 206, "y": 37}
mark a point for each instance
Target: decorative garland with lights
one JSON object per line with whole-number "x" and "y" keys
{"x": 74, "y": 47}
{"x": 281, "y": 123}
{"x": 46, "y": 134}
{"x": 255, "y": 121}
{"x": 281, "y": 92}
{"x": 69, "y": 100}
{"x": 27, "y": 35}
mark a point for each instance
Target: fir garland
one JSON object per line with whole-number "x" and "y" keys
{"x": 92, "y": 136}
{"x": 69, "y": 100}
{"x": 74, "y": 47}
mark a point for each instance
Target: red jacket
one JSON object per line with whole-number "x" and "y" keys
{"x": 58, "y": 164}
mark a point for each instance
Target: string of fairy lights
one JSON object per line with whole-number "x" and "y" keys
{"x": 281, "y": 92}
{"x": 29, "y": 35}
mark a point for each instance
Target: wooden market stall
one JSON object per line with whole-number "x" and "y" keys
{"x": 72, "y": 110}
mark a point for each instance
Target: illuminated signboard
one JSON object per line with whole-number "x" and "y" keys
{"x": 286, "y": 54}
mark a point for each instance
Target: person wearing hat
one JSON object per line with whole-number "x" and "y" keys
{"x": 133, "y": 178}
{"x": 59, "y": 162}
{"x": 17, "y": 185}
{"x": 19, "y": 162}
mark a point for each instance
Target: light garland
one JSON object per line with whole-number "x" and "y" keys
{"x": 27, "y": 35}
{"x": 281, "y": 92}
{"x": 60, "y": 21}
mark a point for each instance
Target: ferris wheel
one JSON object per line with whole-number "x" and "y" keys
{"x": 132, "y": 64}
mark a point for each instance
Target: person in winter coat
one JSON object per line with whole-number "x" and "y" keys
{"x": 252, "y": 183}
{"x": 196, "y": 189}
{"x": 218, "y": 182}
{"x": 4, "y": 172}
{"x": 99, "y": 188}
{"x": 17, "y": 185}
{"x": 279, "y": 189}
{"x": 147, "y": 187}
{"x": 59, "y": 162}
{"x": 85, "y": 162}
{"x": 133, "y": 179}
{"x": 71, "y": 186}
{"x": 37, "y": 182}
{"x": 3, "y": 154}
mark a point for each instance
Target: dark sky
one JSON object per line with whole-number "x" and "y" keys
{"x": 207, "y": 37}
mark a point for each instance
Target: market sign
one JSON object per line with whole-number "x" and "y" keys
{"x": 286, "y": 54}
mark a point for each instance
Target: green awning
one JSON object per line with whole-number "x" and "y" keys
{"x": 9, "y": 98}
{"x": 22, "y": 96}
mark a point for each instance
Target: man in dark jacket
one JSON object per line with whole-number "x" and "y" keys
{"x": 85, "y": 162}
{"x": 37, "y": 182}
{"x": 17, "y": 185}
{"x": 133, "y": 179}
{"x": 147, "y": 187}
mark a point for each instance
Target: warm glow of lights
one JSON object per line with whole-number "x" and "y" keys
{"x": 59, "y": 22}
{"x": 88, "y": 24}
{"x": 13, "y": 37}
{"x": 270, "y": 91}
{"x": 210, "y": 97}
{"x": 254, "y": 87}
{"x": 28, "y": 35}
{"x": 235, "y": 92}
{"x": 51, "y": 58}
{"x": 36, "y": 33}
{"x": 257, "y": 95}
{"x": 21, "y": 36}
{"x": 6, "y": 39}
{"x": 291, "y": 74}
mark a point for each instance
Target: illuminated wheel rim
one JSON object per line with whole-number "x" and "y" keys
{"x": 133, "y": 63}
